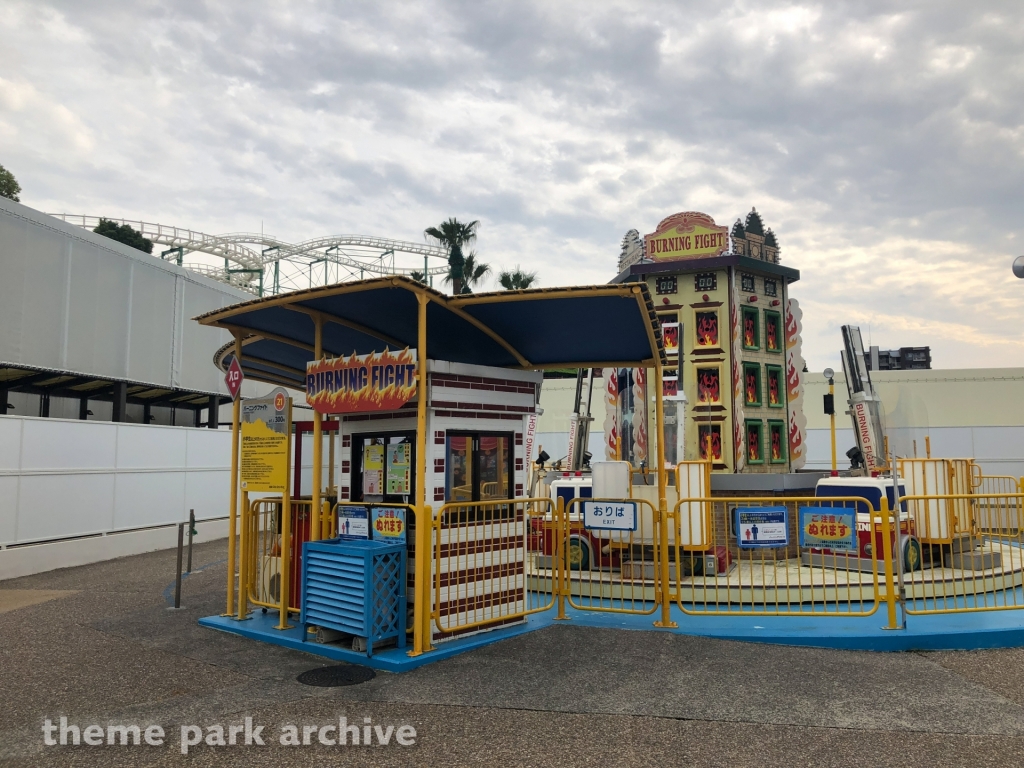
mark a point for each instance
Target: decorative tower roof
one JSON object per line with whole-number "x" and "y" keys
{"x": 754, "y": 225}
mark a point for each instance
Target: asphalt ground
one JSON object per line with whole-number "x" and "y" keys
{"x": 98, "y": 645}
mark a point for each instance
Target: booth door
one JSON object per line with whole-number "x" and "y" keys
{"x": 380, "y": 462}
{"x": 479, "y": 466}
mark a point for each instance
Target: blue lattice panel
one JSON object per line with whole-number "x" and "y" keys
{"x": 357, "y": 587}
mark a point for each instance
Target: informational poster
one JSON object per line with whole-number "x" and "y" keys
{"x": 388, "y": 524}
{"x": 265, "y": 424}
{"x": 373, "y": 470}
{"x": 761, "y": 527}
{"x": 828, "y": 528}
{"x": 399, "y": 472}
{"x": 353, "y": 523}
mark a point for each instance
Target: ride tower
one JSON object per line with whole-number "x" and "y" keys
{"x": 733, "y": 331}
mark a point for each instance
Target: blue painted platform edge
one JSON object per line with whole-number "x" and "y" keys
{"x": 940, "y": 632}
{"x": 391, "y": 659}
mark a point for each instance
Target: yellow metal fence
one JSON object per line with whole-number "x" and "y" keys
{"x": 979, "y": 565}
{"x": 483, "y": 555}
{"x": 495, "y": 562}
{"x": 617, "y": 571}
{"x": 718, "y": 572}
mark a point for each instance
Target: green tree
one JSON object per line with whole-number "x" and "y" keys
{"x": 453, "y": 235}
{"x": 9, "y": 186}
{"x": 516, "y": 280}
{"x": 418, "y": 277}
{"x": 124, "y": 233}
{"x": 472, "y": 273}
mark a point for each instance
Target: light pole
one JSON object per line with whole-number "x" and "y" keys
{"x": 830, "y": 409}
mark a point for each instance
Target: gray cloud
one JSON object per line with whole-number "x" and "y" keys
{"x": 882, "y": 141}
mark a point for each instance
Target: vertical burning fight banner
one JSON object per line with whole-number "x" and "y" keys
{"x": 611, "y": 413}
{"x": 795, "y": 384}
{"x": 738, "y": 413}
{"x": 639, "y": 415}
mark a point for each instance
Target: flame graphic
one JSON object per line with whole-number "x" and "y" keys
{"x": 368, "y": 398}
{"x": 796, "y": 443}
{"x": 771, "y": 332}
{"x": 773, "y": 387}
{"x": 776, "y": 444}
{"x": 751, "y": 388}
{"x": 710, "y": 440}
{"x": 707, "y": 329}
{"x": 753, "y": 446}
{"x": 792, "y": 326}
{"x": 709, "y": 388}
{"x": 792, "y": 379}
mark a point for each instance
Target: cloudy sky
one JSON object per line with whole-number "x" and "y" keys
{"x": 883, "y": 142}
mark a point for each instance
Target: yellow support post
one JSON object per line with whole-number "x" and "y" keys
{"x": 428, "y": 583}
{"x": 236, "y": 415}
{"x": 424, "y": 523}
{"x": 659, "y": 415}
{"x": 286, "y": 531}
{"x": 316, "y": 525}
{"x": 890, "y": 581}
{"x": 559, "y": 577}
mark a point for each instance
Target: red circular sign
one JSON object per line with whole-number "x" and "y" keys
{"x": 279, "y": 401}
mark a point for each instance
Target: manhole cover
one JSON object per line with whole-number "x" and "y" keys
{"x": 333, "y": 677}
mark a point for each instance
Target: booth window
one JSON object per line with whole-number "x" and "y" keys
{"x": 382, "y": 467}
{"x": 751, "y": 383}
{"x": 776, "y": 398}
{"x": 777, "y": 442}
{"x": 770, "y": 288}
{"x": 755, "y": 442}
{"x": 747, "y": 283}
{"x": 772, "y": 331}
{"x": 479, "y": 466}
{"x": 751, "y": 331}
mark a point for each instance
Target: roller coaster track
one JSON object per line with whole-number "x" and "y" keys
{"x": 247, "y": 255}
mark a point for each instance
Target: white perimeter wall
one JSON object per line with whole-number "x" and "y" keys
{"x": 61, "y": 479}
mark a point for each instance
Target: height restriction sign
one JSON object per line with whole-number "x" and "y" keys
{"x": 233, "y": 378}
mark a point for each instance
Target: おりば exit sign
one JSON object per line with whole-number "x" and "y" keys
{"x": 233, "y": 378}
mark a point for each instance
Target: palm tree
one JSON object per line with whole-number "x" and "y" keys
{"x": 418, "y": 277}
{"x": 516, "y": 280}
{"x": 473, "y": 273}
{"x": 453, "y": 234}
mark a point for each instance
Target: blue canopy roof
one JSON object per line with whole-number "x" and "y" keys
{"x": 577, "y": 327}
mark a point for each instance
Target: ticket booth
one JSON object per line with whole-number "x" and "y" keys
{"x": 421, "y": 408}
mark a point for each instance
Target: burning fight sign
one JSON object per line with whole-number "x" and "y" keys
{"x": 379, "y": 381}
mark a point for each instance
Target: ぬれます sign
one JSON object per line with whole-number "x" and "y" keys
{"x": 379, "y": 381}
{"x": 388, "y": 523}
{"x": 828, "y": 528}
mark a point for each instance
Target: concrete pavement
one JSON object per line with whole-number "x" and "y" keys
{"x": 98, "y": 645}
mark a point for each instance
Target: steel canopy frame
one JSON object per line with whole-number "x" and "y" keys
{"x": 498, "y": 329}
